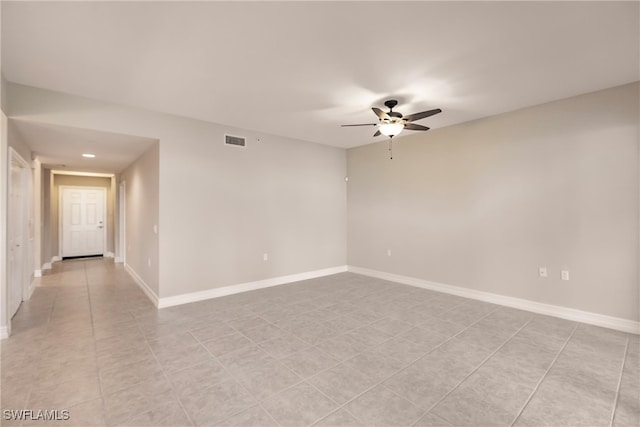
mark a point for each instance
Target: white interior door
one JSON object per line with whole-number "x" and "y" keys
{"x": 16, "y": 238}
{"x": 83, "y": 221}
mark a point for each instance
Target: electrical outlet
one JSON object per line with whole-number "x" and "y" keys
{"x": 542, "y": 271}
{"x": 265, "y": 257}
{"x": 388, "y": 252}
{"x": 565, "y": 275}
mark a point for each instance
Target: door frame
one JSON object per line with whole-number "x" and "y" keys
{"x": 121, "y": 256}
{"x": 16, "y": 158}
{"x": 61, "y": 189}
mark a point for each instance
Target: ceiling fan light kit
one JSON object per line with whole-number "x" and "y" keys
{"x": 391, "y": 123}
{"x": 391, "y": 129}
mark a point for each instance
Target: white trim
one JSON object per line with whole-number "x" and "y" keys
{"x": 602, "y": 320}
{"x": 47, "y": 265}
{"x": 244, "y": 287}
{"x": 4, "y": 333}
{"x": 26, "y": 193}
{"x": 143, "y": 285}
{"x": 118, "y": 260}
{"x": 109, "y": 255}
{"x": 121, "y": 253}
{"x": 37, "y": 273}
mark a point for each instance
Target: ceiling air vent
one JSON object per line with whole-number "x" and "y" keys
{"x": 238, "y": 141}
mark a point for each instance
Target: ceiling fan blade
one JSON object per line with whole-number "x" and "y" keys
{"x": 413, "y": 126}
{"x": 422, "y": 115}
{"x": 381, "y": 114}
{"x": 378, "y": 133}
{"x": 364, "y": 124}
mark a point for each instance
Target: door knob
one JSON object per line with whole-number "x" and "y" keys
{"x": 99, "y": 226}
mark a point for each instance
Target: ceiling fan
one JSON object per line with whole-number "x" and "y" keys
{"x": 392, "y": 123}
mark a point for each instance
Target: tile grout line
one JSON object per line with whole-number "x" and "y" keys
{"x": 303, "y": 380}
{"x": 615, "y": 401}
{"x": 391, "y": 337}
{"x": 166, "y": 377}
{"x": 48, "y": 330}
{"x": 97, "y": 369}
{"x": 30, "y": 392}
{"x": 201, "y": 344}
{"x": 400, "y": 370}
{"x": 340, "y": 407}
{"x": 95, "y": 346}
{"x": 146, "y": 341}
{"x": 234, "y": 378}
{"x": 49, "y": 317}
{"x": 255, "y": 344}
{"x": 473, "y": 371}
{"x": 535, "y": 389}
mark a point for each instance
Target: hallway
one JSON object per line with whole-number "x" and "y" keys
{"x": 337, "y": 350}
{"x": 80, "y": 318}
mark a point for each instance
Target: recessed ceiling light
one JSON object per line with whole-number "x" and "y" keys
{"x": 88, "y": 156}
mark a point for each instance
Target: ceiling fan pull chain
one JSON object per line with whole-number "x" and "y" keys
{"x": 391, "y": 148}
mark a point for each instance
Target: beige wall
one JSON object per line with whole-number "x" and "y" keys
{"x": 141, "y": 241}
{"x": 221, "y": 208}
{"x": 483, "y": 204}
{"x": 78, "y": 181}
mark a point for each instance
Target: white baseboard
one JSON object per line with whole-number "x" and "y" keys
{"x": 596, "y": 319}
{"x": 47, "y": 265}
{"x": 118, "y": 260}
{"x": 244, "y": 287}
{"x": 109, "y": 255}
{"x": 143, "y": 285}
{"x": 4, "y": 333}
{"x": 37, "y": 273}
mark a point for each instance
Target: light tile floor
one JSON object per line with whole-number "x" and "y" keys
{"x": 342, "y": 350}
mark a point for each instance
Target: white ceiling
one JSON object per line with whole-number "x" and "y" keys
{"x": 61, "y": 147}
{"x": 300, "y": 69}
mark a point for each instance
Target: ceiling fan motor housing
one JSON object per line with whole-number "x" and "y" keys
{"x": 391, "y": 103}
